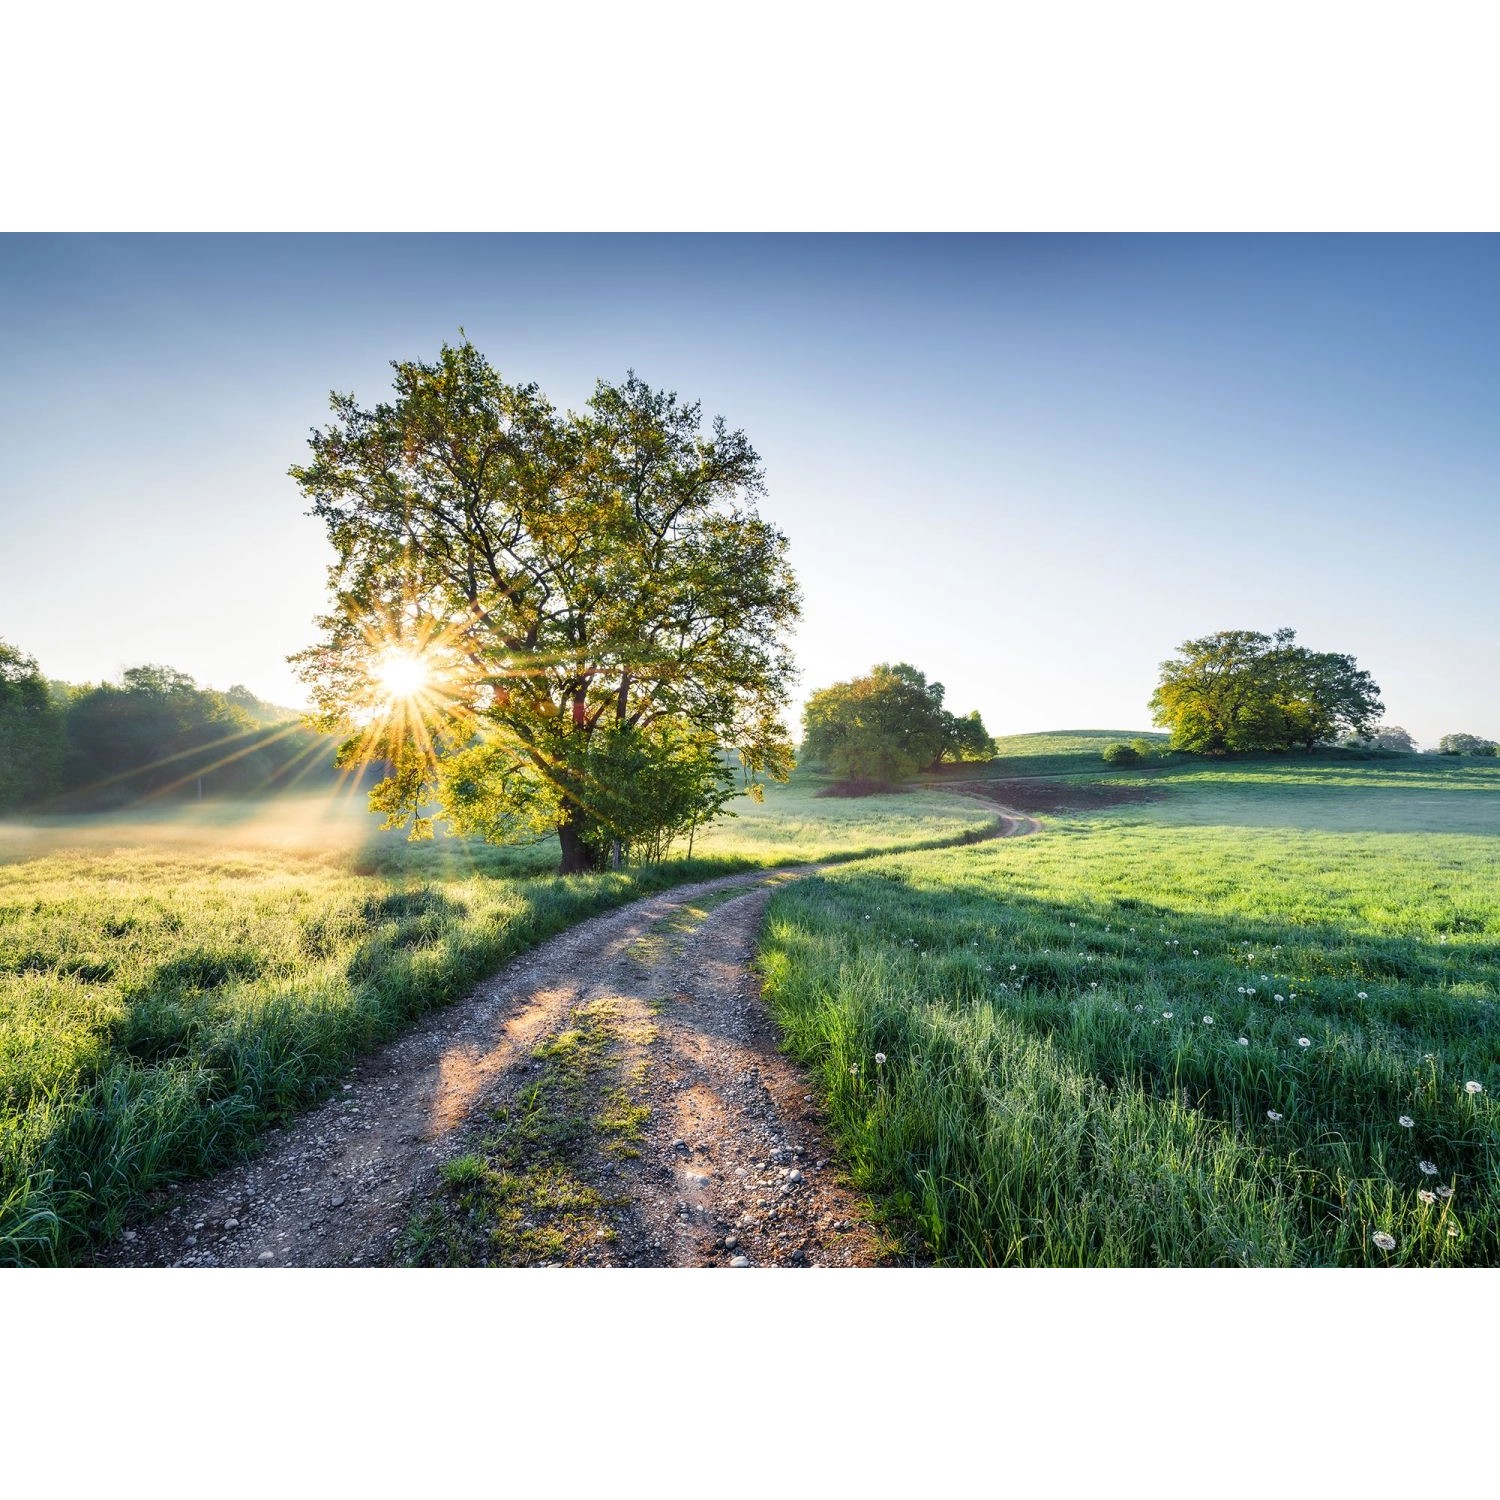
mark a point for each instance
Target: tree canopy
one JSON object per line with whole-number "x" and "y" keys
{"x": 1381, "y": 737}
{"x": 31, "y": 731}
{"x": 540, "y": 621}
{"x": 1466, "y": 744}
{"x": 887, "y": 725}
{"x": 153, "y": 733}
{"x": 1241, "y": 690}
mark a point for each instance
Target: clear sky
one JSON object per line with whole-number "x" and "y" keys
{"x": 1030, "y": 465}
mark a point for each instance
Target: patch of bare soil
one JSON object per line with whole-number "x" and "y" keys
{"x": 617, "y": 1097}
{"x": 1038, "y": 796}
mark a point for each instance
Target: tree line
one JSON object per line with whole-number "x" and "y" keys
{"x": 152, "y": 733}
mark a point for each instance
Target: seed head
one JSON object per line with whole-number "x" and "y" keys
{"x": 1383, "y": 1240}
{"x": 1427, "y": 1168}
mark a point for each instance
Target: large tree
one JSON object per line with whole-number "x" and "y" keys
{"x": 541, "y": 620}
{"x": 886, "y": 725}
{"x": 1242, "y": 690}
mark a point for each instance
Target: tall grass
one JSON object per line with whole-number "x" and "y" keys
{"x": 170, "y": 990}
{"x": 1164, "y": 1037}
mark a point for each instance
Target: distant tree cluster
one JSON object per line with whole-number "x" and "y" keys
{"x": 888, "y": 725}
{"x": 1381, "y": 737}
{"x": 1466, "y": 744}
{"x": 155, "y": 732}
{"x": 1241, "y": 690}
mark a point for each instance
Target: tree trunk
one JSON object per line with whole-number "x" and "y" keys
{"x": 578, "y": 856}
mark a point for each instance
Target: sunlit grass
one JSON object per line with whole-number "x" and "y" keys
{"x": 170, "y": 988}
{"x": 1183, "y": 1032}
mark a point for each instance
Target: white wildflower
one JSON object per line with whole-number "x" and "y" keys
{"x": 1405, "y": 1122}
{"x": 1428, "y": 1168}
{"x": 1473, "y": 1088}
{"x": 1383, "y": 1240}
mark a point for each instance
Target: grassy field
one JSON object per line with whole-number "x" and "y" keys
{"x": 169, "y": 989}
{"x": 1250, "y": 1023}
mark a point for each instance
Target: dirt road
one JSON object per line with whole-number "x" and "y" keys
{"x": 614, "y": 1098}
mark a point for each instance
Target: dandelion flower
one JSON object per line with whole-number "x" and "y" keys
{"x": 853, "y": 1068}
{"x": 1383, "y": 1240}
{"x": 1281, "y": 997}
{"x": 1166, "y": 1015}
{"x": 1208, "y": 1020}
{"x": 880, "y": 1059}
{"x": 1303, "y": 1041}
{"x": 1473, "y": 1088}
{"x": 1362, "y": 996}
{"x": 1240, "y": 990}
{"x": 1195, "y": 953}
{"x": 1244, "y": 1041}
{"x": 1425, "y": 1196}
{"x": 1445, "y": 1191}
{"x": 1406, "y": 1122}
{"x": 1453, "y": 1231}
{"x": 1274, "y": 1117}
{"x": 1428, "y": 1168}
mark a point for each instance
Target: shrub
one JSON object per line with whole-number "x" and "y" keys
{"x": 1122, "y": 755}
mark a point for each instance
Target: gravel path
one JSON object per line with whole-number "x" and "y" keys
{"x": 731, "y": 1165}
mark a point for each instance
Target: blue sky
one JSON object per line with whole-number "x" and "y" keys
{"x": 1031, "y": 465}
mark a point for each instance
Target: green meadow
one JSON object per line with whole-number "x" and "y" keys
{"x": 1252, "y": 1022}
{"x": 172, "y": 987}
